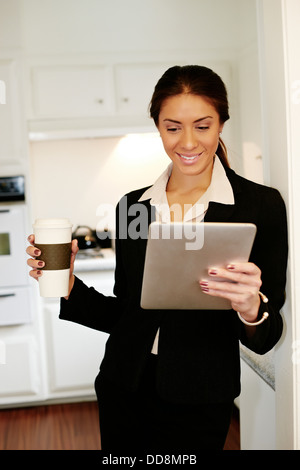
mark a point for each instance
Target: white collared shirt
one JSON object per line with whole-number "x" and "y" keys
{"x": 219, "y": 190}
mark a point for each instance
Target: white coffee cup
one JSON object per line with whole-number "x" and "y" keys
{"x": 54, "y": 238}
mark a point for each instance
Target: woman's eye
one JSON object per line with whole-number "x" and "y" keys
{"x": 172, "y": 129}
{"x": 202, "y": 128}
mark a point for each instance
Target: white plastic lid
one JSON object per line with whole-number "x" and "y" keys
{"x": 52, "y": 223}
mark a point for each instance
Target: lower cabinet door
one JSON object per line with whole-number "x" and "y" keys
{"x": 20, "y": 379}
{"x": 15, "y": 306}
{"x": 74, "y": 352}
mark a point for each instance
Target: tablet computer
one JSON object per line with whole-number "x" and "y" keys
{"x": 178, "y": 256}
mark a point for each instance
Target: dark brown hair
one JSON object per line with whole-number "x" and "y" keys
{"x": 196, "y": 80}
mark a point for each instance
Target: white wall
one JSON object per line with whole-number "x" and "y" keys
{"x": 250, "y": 113}
{"x": 280, "y": 71}
{"x": 82, "y": 26}
{"x": 10, "y": 31}
{"x": 291, "y": 34}
{"x": 257, "y": 412}
{"x": 72, "y": 178}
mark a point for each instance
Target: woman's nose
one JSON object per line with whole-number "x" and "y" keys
{"x": 188, "y": 140}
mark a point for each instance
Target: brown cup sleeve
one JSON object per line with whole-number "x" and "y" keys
{"x": 55, "y": 256}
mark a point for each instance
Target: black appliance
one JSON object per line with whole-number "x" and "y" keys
{"x": 12, "y": 188}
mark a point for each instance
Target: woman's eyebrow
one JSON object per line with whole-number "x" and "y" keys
{"x": 197, "y": 120}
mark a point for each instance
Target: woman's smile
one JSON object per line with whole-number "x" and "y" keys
{"x": 189, "y": 159}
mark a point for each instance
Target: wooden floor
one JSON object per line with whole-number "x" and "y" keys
{"x": 66, "y": 427}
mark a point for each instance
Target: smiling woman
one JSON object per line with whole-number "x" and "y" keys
{"x": 169, "y": 378}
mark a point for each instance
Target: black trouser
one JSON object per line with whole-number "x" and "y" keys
{"x": 143, "y": 421}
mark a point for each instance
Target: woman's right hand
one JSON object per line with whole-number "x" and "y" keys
{"x": 37, "y": 265}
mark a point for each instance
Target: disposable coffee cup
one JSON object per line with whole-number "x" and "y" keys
{"x": 54, "y": 238}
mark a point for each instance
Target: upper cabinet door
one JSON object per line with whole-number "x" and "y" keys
{"x": 134, "y": 87}
{"x": 93, "y": 99}
{"x": 62, "y": 92}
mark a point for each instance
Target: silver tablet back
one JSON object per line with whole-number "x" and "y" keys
{"x": 179, "y": 255}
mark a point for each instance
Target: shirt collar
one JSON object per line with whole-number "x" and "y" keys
{"x": 157, "y": 192}
{"x": 219, "y": 190}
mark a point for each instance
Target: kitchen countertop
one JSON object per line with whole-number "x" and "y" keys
{"x": 105, "y": 262}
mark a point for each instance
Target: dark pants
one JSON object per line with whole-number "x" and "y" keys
{"x": 143, "y": 421}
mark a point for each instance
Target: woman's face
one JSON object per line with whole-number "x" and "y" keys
{"x": 189, "y": 127}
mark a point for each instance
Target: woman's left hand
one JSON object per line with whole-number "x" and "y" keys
{"x": 240, "y": 285}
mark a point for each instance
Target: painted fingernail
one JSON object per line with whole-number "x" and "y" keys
{"x": 41, "y": 263}
{"x": 213, "y": 272}
{"x": 37, "y": 252}
{"x": 39, "y": 273}
{"x": 203, "y": 283}
{"x": 230, "y": 266}
{"x": 205, "y": 289}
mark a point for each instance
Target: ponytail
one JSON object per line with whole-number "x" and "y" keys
{"x": 222, "y": 153}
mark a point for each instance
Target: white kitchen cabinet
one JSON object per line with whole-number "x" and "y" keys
{"x": 11, "y": 119}
{"x": 15, "y": 306}
{"x": 74, "y": 352}
{"x": 20, "y": 380}
{"x": 135, "y": 85}
{"x": 22, "y": 358}
{"x": 71, "y": 91}
{"x": 91, "y": 91}
{"x": 76, "y": 100}
{"x": 96, "y": 99}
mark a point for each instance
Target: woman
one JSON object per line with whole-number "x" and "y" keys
{"x": 169, "y": 378}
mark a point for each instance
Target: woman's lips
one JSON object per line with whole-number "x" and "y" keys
{"x": 189, "y": 159}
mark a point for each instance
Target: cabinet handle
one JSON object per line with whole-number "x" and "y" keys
{"x": 2, "y": 296}
{"x": 4, "y": 211}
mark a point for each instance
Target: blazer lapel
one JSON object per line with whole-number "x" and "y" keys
{"x": 141, "y": 243}
{"x": 218, "y": 212}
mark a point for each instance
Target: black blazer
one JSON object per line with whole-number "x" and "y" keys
{"x": 198, "y": 352}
